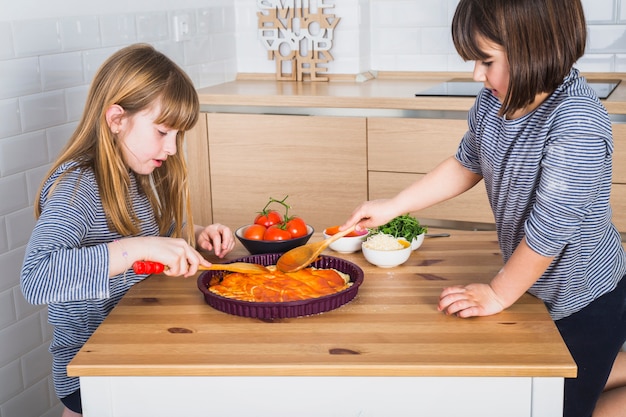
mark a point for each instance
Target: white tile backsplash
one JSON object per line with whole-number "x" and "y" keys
{"x": 4, "y": 244}
{"x": 39, "y": 111}
{"x": 198, "y": 51}
{"x": 209, "y": 20}
{"x": 15, "y": 187}
{"x": 57, "y": 138}
{"x": 10, "y": 111}
{"x": 25, "y": 309}
{"x": 61, "y": 70}
{"x": 34, "y": 177}
{"x": 152, "y": 27}
{"x": 117, "y": 29}
{"x": 21, "y": 153}
{"x": 35, "y": 37}
{"x": 398, "y": 41}
{"x": 93, "y": 59}
{"x": 19, "y": 225}
{"x": 33, "y": 364}
{"x": 28, "y": 403}
{"x": 75, "y": 99}
{"x": 10, "y": 380}
{"x": 596, "y": 63}
{"x": 6, "y": 41}
{"x": 80, "y": 32}
{"x": 19, "y": 77}
{"x": 7, "y": 316}
{"x": 29, "y": 332}
{"x": 599, "y": 10}
{"x": 607, "y": 39}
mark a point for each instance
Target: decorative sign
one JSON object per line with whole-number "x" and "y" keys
{"x": 298, "y": 35}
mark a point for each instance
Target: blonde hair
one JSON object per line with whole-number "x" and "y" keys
{"x": 135, "y": 78}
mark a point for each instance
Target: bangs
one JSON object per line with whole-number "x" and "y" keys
{"x": 471, "y": 22}
{"x": 179, "y": 104}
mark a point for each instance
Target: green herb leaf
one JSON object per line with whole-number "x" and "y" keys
{"x": 405, "y": 226}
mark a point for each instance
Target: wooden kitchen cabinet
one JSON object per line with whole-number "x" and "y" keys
{"x": 332, "y": 145}
{"x": 618, "y": 193}
{"x": 401, "y": 150}
{"x": 319, "y": 162}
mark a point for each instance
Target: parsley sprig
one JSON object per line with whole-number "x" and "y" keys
{"x": 405, "y": 226}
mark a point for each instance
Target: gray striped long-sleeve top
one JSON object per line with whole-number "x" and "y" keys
{"x": 548, "y": 178}
{"x": 66, "y": 264}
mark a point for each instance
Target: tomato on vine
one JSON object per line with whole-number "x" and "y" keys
{"x": 296, "y": 227}
{"x": 271, "y": 225}
{"x": 275, "y": 232}
{"x": 268, "y": 218}
{"x": 254, "y": 232}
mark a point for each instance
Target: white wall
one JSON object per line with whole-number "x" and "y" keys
{"x": 49, "y": 51}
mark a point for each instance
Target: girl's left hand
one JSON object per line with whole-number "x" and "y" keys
{"x": 470, "y": 300}
{"x": 216, "y": 237}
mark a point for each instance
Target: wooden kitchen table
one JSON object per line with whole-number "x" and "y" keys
{"x": 164, "y": 352}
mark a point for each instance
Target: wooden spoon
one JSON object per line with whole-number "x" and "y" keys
{"x": 302, "y": 256}
{"x": 149, "y": 267}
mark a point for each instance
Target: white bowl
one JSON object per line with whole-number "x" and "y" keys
{"x": 387, "y": 258}
{"x": 346, "y": 244}
{"x": 417, "y": 241}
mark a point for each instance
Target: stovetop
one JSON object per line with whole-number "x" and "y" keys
{"x": 464, "y": 88}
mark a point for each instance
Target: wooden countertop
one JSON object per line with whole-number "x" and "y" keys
{"x": 163, "y": 327}
{"x": 387, "y": 91}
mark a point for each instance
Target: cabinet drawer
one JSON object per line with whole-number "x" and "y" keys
{"x": 411, "y": 145}
{"x": 471, "y": 206}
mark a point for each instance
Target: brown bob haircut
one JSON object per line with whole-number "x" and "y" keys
{"x": 542, "y": 40}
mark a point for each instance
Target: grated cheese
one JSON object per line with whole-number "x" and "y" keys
{"x": 382, "y": 241}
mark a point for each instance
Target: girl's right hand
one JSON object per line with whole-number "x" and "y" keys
{"x": 175, "y": 254}
{"x": 178, "y": 257}
{"x": 370, "y": 214}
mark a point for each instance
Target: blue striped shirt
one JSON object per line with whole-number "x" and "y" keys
{"x": 548, "y": 178}
{"x": 67, "y": 264}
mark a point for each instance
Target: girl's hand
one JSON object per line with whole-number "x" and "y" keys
{"x": 470, "y": 300}
{"x": 370, "y": 214}
{"x": 175, "y": 254}
{"x": 216, "y": 237}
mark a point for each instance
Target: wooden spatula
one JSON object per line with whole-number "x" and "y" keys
{"x": 150, "y": 267}
{"x": 302, "y": 256}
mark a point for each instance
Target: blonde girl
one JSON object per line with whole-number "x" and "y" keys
{"x": 117, "y": 193}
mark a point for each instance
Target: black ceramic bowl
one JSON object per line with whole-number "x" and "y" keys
{"x": 271, "y": 246}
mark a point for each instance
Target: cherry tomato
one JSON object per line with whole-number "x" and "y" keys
{"x": 269, "y": 218}
{"x": 254, "y": 232}
{"x": 274, "y": 232}
{"x": 296, "y": 227}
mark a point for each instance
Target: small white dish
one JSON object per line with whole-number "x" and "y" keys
{"x": 346, "y": 244}
{"x": 387, "y": 258}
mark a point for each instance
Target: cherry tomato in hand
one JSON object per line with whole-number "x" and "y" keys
{"x": 296, "y": 227}
{"x": 269, "y": 218}
{"x": 254, "y": 232}
{"x": 276, "y": 233}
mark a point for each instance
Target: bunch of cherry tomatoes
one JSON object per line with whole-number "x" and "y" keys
{"x": 272, "y": 225}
